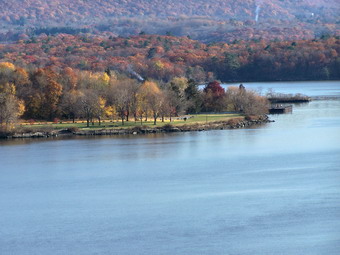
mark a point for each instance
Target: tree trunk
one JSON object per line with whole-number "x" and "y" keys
{"x": 99, "y": 121}
{"x": 155, "y": 119}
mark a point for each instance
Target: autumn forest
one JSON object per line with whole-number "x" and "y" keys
{"x": 131, "y": 60}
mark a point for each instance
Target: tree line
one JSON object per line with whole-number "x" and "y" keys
{"x": 48, "y": 94}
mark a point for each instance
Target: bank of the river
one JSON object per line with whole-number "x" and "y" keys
{"x": 268, "y": 190}
{"x": 233, "y": 123}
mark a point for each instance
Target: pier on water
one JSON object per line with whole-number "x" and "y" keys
{"x": 280, "y": 109}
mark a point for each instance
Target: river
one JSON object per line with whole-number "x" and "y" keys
{"x": 273, "y": 189}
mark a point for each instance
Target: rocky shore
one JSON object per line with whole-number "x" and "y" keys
{"x": 230, "y": 124}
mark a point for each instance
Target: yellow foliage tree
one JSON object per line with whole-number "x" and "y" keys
{"x": 100, "y": 111}
{"x": 104, "y": 78}
{"x": 4, "y": 66}
{"x": 159, "y": 65}
{"x": 10, "y": 107}
{"x": 149, "y": 97}
{"x": 6, "y": 72}
{"x": 179, "y": 84}
{"x": 110, "y": 112}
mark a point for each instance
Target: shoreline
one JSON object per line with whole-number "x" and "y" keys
{"x": 214, "y": 125}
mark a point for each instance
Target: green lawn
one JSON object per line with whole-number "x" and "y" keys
{"x": 199, "y": 118}
{"x": 191, "y": 119}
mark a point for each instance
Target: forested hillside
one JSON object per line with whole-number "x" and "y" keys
{"x": 166, "y": 57}
{"x": 220, "y": 20}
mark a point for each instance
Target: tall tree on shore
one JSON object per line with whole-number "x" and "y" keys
{"x": 70, "y": 104}
{"x": 10, "y": 106}
{"x": 246, "y": 101}
{"x": 151, "y": 98}
{"x": 193, "y": 97}
{"x": 88, "y": 105}
{"x": 44, "y": 95}
{"x": 213, "y": 97}
{"x": 122, "y": 94}
{"x": 168, "y": 104}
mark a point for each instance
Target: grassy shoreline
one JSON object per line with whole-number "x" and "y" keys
{"x": 176, "y": 121}
{"x": 199, "y": 122}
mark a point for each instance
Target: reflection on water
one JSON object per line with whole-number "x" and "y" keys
{"x": 267, "y": 190}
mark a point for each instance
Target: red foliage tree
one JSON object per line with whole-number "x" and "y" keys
{"x": 213, "y": 97}
{"x": 215, "y": 88}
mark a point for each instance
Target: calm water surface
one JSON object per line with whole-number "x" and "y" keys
{"x": 274, "y": 189}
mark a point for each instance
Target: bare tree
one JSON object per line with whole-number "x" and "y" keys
{"x": 172, "y": 104}
{"x": 246, "y": 101}
{"x": 70, "y": 104}
{"x": 88, "y": 105}
{"x": 122, "y": 95}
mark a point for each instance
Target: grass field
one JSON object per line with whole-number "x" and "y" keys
{"x": 190, "y": 120}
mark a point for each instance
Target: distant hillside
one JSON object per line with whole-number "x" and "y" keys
{"x": 203, "y": 19}
{"x": 41, "y": 11}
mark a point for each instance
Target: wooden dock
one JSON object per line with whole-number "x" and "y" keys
{"x": 292, "y": 100}
{"x": 280, "y": 109}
